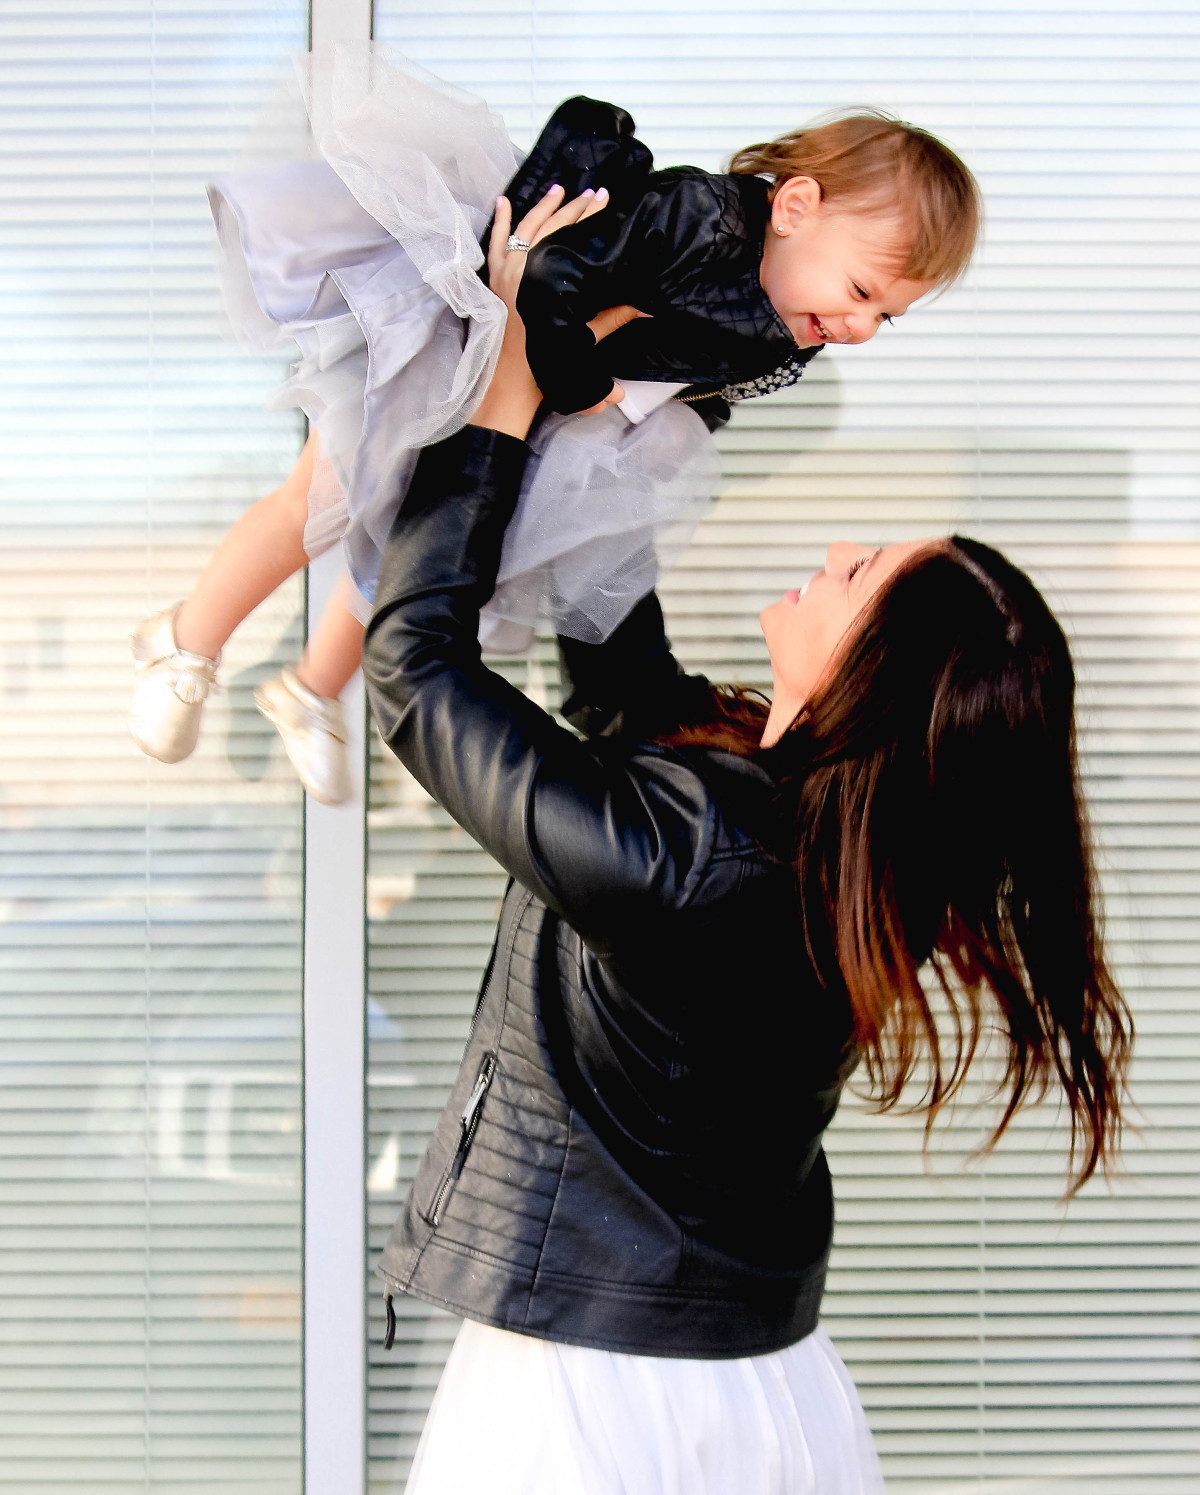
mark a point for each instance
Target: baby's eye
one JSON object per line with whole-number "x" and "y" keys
{"x": 887, "y": 321}
{"x": 858, "y": 291}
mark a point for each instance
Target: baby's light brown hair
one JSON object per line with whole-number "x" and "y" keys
{"x": 867, "y": 161}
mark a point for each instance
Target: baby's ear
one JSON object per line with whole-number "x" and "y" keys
{"x": 793, "y": 201}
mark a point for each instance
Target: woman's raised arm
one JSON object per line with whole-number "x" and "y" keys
{"x": 580, "y": 827}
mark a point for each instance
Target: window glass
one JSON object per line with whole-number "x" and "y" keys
{"x": 150, "y": 916}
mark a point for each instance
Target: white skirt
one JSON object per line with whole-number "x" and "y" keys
{"x": 515, "y": 1415}
{"x": 351, "y": 229}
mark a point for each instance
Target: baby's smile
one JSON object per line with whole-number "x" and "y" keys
{"x": 811, "y": 331}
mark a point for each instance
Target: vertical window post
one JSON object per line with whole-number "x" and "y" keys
{"x": 334, "y": 1050}
{"x": 334, "y": 1117}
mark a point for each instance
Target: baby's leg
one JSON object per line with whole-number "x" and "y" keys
{"x": 261, "y": 551}
{"x": 334, "y": 651}
{"x": 303, "y": 704}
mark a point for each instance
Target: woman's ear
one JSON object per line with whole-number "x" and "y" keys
{"x": 795, "y": 200}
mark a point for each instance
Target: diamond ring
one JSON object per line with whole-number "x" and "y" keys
{"x": 516, "y": 242}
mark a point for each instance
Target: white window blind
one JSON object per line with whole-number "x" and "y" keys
{"x": 1048, "y": 406}
{"x": 150, "y": 934}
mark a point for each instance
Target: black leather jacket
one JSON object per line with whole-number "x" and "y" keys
{"x": 631, "y": 1156}
{"x": 683, "y": 244}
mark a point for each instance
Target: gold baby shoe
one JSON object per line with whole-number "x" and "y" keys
{"x": 314, "y": 735}
{"x": 169, "y": 690}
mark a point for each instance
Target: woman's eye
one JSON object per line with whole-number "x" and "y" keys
{"x": 862, "y": 561}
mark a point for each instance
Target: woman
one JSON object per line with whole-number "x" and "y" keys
{"x": 718, "y": 909}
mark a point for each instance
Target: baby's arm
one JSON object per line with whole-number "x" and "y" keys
{"x": 619, "y": 255}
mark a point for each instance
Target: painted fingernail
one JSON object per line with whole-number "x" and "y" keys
{"x": 587, "y": 192}
{"x": 603, "y": 192}
{"x": 554, "y": 187}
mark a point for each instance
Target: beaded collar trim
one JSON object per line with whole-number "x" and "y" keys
{"x": 780, "y": 378}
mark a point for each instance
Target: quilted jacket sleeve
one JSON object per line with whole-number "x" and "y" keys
{"x": 621, "y": 255}
{"x": 585, "y": 143}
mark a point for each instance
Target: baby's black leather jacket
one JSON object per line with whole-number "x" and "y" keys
{"x": 683, "y": 244}
{"x": 631, "y": 1156}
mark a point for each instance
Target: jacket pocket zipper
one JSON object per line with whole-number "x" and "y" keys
{"x": 468, "y": 1122}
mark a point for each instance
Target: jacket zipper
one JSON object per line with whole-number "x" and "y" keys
{"x": 707, "y": 394}
{"x": 468, "y": 1122}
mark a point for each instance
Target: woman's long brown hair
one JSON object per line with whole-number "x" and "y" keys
{"x": 938, "y": 819}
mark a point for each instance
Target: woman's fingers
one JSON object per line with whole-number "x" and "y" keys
{"x": 505, "y": 265}
{"x": 501, "y": 228}
{"x": 613, "y": 397}
{"x": 552, "y": 213}
{"x": 609, "y": 320}
{"x": 598, "y": 202}
{"x": 583, "y": 206}
{"x": 540, "y": 214}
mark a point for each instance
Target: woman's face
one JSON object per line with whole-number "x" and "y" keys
{"x": 804, "y": 628}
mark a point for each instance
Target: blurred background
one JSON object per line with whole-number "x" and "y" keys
{"x": 152, "y": 919}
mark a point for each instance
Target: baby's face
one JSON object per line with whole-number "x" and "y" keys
{"x": 831, "y": 274}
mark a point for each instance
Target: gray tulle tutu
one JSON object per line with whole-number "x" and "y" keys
{"x": 351, "y": 228}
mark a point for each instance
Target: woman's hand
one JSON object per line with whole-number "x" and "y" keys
{"x": 513, "y": 398}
